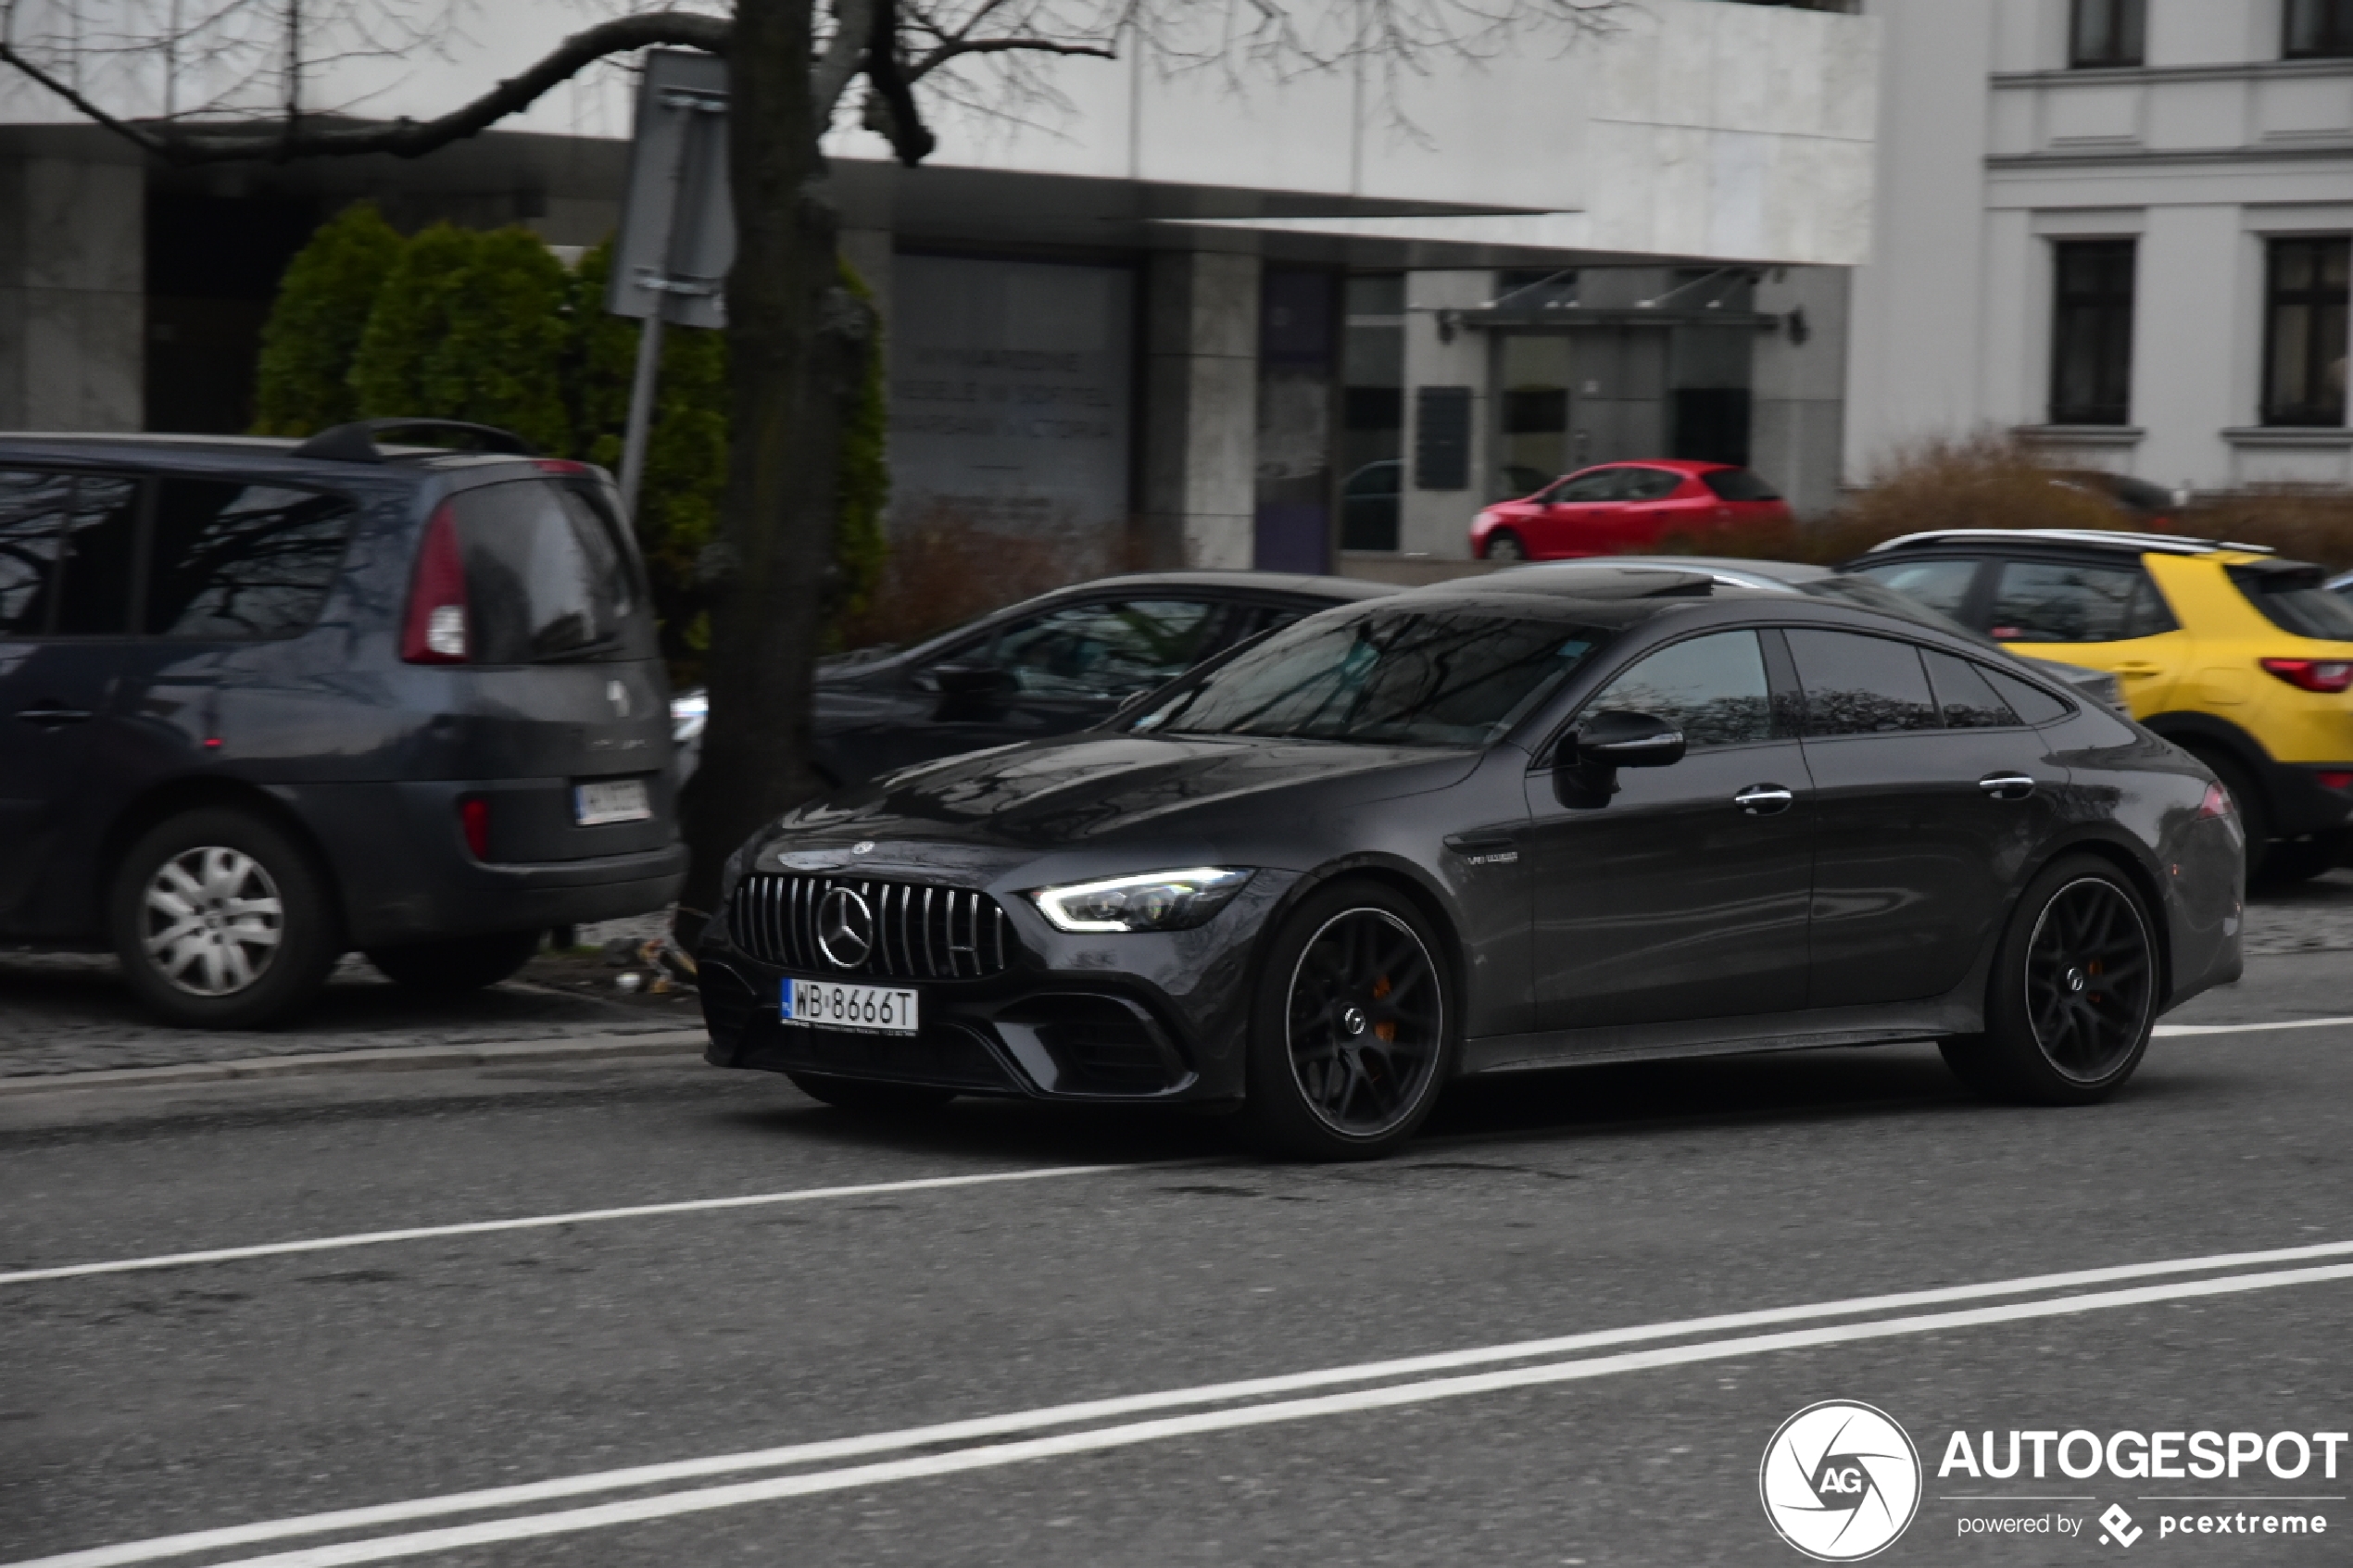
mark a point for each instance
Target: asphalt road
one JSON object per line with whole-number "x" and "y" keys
{"x": 1626, "y": 1204}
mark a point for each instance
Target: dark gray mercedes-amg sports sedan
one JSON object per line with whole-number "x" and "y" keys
{"x": 1515, "y": 822}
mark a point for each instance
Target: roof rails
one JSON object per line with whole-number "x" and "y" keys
{"x": 355, "y": 443}
{"x": 2101, "y": 538}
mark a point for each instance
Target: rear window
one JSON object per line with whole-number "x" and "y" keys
{"x": 2292, "y": 598}
{"x": 549, "y": 576}
{"x": 1739, "y": 484}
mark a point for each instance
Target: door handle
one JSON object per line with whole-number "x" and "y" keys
{"x": 2138, "y": 667}
{"x": 1764, "y": 800}
{"x": 51, "y": 713}
{"x": 2006, "y": 786}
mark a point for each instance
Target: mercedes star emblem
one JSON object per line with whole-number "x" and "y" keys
{"x": 844, "y": 929}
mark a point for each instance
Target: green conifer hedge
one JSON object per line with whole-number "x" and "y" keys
{"x": 313, "y": 332}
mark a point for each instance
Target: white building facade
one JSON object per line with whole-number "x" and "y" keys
{"x": 2119, "y": 227}
{"x": 1307, "y": 324}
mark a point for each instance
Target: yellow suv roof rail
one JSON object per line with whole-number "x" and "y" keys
{"x": 2114, "y": 539}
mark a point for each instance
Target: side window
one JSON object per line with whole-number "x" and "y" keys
{"x": 2051, "y": 602}
{"x": 2030, "y": 702}
{"x": 67, "y": 546}
{"x": 242, "y": 561}
{"x": 1104, "y": 649}
{"x": 32, "y": 513}
{"x": 1651, "y": 485}
{"x": 1601, "y": 485}
{"x": 1712, "y": 688}
{"x": 1858, "y": 685}
{"x": 1942, "y": 585}
{"x": 1966, "y": 700}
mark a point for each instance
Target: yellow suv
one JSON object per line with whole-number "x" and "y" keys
{"x": 2232, "y": 654}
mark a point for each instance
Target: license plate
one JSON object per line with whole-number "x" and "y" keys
{"x": 616, "y": 800}
{"x": 857, "y": 1009}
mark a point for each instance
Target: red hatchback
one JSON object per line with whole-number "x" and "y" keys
{"x": 1620, "y": 508}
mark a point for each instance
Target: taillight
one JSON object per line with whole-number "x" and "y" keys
{"x": 2313, "y": 675}
{"x": 474, "y": 817}
{"x": 437, "y": 631}
{"x": 2338, "y": 782}
{"x": 2217, "y": 802}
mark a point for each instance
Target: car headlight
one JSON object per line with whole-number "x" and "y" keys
{"x": 1155, "y": 901}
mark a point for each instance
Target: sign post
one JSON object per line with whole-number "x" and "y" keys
{"x": 678, "y": 232}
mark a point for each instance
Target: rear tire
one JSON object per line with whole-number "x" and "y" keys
{"x": 462, "y": 965}
{"x": 1504, "y": 546}
{"x": 868, "y": 1098}
{"x": 222, "y": 921}
{"x": 2073, "y": 993}
{"x": 2301, "y": 860}
{"x": 1352, "y": 1028}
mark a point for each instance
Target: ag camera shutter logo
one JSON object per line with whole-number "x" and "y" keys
{"x": 1840, "y": 1481}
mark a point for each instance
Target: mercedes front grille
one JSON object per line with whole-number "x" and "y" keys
{"x": 917, "y": 932}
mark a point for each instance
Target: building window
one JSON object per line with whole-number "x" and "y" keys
{"x": 2091, "y": 334}
{"x": 2304, "y": 333}
{"x": 2318, "y": 30}
{"x": 2107, "y": 32}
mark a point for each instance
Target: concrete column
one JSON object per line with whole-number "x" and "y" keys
{"x": 1436, "y": 523}
{"x": 1200, "y": 429}
{"x": 1797, "y": 407}
{"x": 72, "y": 294}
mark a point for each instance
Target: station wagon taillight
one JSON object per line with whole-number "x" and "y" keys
{"x": 436, "y": 631}
{"x": 473, "y": 820}
{"x": 2313, "y": 675}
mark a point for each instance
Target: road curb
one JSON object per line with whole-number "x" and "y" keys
{"x": 391, "y": 1058}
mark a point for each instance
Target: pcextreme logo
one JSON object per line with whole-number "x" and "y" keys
{"x": 1840, "y": 1481}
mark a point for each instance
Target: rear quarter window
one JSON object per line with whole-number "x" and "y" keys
{"x": 2294, "y": 600}
{"x": 549, "y": 576}
{"x": 241, "y": 562}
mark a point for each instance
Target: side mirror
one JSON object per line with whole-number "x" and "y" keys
{"x": 1617, "y": 739}
{"x": 1586, "y": 775}
{"x": 965, "y": 691}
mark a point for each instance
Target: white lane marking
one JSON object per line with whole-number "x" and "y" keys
{"x": 706, "y": 1499}
{"x": 2177, "y": 1029}
{"x": 580, "y": 1217}
{"x": 1135, "y": 1404}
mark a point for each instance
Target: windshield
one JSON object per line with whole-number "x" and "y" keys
{"x": 1389, "y": 677}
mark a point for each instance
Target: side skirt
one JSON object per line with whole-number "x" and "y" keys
{"x": 1957, "y": 1014}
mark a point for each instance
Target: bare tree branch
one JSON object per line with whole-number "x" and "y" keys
{"x": 183, "y": 142}
{"x": 854, "y": 22}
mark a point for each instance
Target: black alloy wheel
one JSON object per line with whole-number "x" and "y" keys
{"x": 1504, "y": 545}
{"x": 1350, "y": 1036}
{"x": 2073, "y": 993}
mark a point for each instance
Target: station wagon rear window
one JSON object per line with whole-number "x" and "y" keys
{"x": 547, "y": 576}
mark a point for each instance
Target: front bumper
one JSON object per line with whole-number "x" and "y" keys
{"x": 1135, "y": 1017}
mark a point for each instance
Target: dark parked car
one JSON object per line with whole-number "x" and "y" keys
{"x": 262, "y": 703}
{"x": 1502, "y": 823}
{"x": 1044, "y": 666}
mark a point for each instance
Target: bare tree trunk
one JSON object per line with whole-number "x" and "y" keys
{"x": 795, "y": 343}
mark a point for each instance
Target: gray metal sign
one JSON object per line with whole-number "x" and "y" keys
{"x": 677, "y": 230}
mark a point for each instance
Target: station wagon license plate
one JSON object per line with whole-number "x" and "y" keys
{"x": 614, "y": 800}
{"x": 860, "y": 1010}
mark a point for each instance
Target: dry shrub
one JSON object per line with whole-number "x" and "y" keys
{"x": 2314, "y": 525}
{"x": 946, "y": 568}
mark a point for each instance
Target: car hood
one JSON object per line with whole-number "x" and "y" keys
{"x": 1101, "y": 789}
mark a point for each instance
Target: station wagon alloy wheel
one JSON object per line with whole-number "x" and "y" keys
{"x": 1366, "y": 1021}
{"x": 2089, "y": 979}
{"x": 213, "y": 921}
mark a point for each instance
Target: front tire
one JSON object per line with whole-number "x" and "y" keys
{"x": 1351, "y": 1027}
{"x": 2073, "y": 993}
{"x": 1504, "y": 546}
{"x": 222, "y": 921}
{"x": 456, "y": 966}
